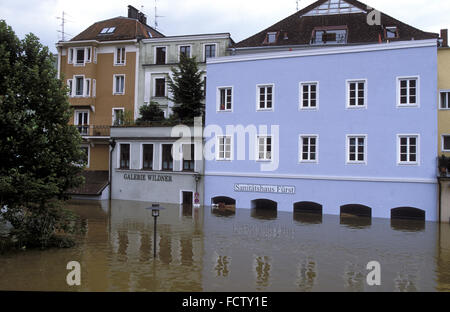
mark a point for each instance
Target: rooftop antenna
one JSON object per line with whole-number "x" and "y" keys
{"x": 63, "y": 21}
{"x": 297, "y": 4}
{"x": 156, "y": 15}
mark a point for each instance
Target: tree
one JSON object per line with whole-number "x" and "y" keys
{"x": 40, "y": 154}
{"x": 149, "y": 113}
{"x": 187, "y": 89}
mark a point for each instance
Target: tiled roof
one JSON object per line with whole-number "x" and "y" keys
{"x": 297, "y": 29}
{"x": 125, "y": 29}
{"x": 95, "y": 182}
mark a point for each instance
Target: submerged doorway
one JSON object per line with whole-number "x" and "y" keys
{"x": 187, "y": 199}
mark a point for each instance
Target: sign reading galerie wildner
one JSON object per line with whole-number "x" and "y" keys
{"x": 259, "y": 188}
{"x": 148, "y": 177}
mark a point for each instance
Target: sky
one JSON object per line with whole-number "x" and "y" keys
{"x": 240, "y": 18}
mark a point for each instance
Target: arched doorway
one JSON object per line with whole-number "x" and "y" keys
{"x": 356, "y": 210}
{"x": 264, "y": 209}
{"x": 308, "y": 207}
{"x": 223, "y": 205}
{"x": 408, "y": 213}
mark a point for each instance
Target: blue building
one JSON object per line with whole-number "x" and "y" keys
{"x": 338, "y": 128}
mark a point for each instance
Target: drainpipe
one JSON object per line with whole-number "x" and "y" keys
{"x": 112, "y": 144}
{"x": 440, "y": 199}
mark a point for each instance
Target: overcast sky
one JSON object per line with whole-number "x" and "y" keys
{"x": 241, "y": 18}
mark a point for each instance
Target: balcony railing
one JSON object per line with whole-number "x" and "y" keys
{"x": 94, "y": 130}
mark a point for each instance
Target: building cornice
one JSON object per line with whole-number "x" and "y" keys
{"x": 188, "y": 38}
{"x": 93, "y": 42}
{"x": 325, "y": 51}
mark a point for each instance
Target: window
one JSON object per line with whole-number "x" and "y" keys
{"x": 120, "y": 56}
{"x": 356, "y": 149}
{"x": 80, "y": 56}
{"x": 224, "y": 148}
{"x": 124, "y": 156}
{"x": 210, "y": 51}
{"x": 88, "y": 54}
{"x": 94, "y": 88}
{"x": 446, "y": 143}
{"x": 147, "y": 156}
{"x": 160, "y": 55}
{"x": 356, "y": 94}
{"x": 188, "y": 157}
{"x": 185, "y": 50}
{"x": 225, "y": 99}
{"x": 160, "y": 87}
{"x": 265, "y": 97}
{"x": 264, "y": 147}
{"x": 329, "y": 36}
{"x": 82, "y": 122}
{"x": 271, "y": 37}
{"x": 444, "y": 98}
{"x": 117, "y": 118}
{"x": 107, "y": 30}
{"x": 79, "y": 85}
{"x": 408, "y": 149}
{"x": 167, "y": 159}
{"x": 70, "y": 59}
{"x": 391, "y": 32}
{"x": 309, "y": 95}
{"x": 95, "y": 55}
{"x": 119, "y": 84}
{"x": 408, "y": 91}
{"x": 308, "y": 148}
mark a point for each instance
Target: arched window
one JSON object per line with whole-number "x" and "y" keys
{"x": 309, "y": 207}
{"x": 356, "y": 210}
{"x": 409, "y": 213}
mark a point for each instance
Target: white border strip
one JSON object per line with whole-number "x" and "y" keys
{"x": 326, "y": 51}
{"x": 331, "y": 178}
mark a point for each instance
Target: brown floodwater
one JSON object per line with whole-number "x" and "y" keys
{"x": 200, "y": 250}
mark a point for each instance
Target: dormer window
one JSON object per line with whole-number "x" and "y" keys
{"x": 391, "y": 32}
{"x": 107, "y": 30}
{"x": 271, "y": 37}
{"x": 329, "y": 35}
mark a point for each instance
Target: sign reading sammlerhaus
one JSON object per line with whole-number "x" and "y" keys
{"x": 147, "y": 177}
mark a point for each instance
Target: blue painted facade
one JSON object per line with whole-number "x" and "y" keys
{"x": 380, "y": 183}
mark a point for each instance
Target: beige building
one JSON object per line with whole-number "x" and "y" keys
{"x": 100, "y": 67}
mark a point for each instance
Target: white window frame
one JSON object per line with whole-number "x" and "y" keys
{"x": 95, "y": 55}
{"x": 75, "y": 57}
{"x": 417, "y": 78}
{"x": 204, "y": 50}
{"x": 347, "y": 149}
{"x": 300, "y": 148}
{"x": 442, "y": 142}
{"x": 155, "y": 54}
{"x": 114, "y": 84}
{"x": 141, "y": 157}
{"x": 74, "y": 86}
{"x": 70, "y": 86}
{"x": 87, "y": 87}
{"x": 356, "y": 106}
{"x": 161, "y": 150}
{"x": 88, "y": 155}
{"x": 309, "y": 83}
{"x": 265, "y": 136}
{"x": 118, "y": 155}
{"x": 182, "y": 157}
{"x": 224, "y": 158}
{"x": 116, "y": 52}
{"x": 414, "y": 163}
{"x": 218, "y": 99}
{"x": 70, "y": 54}
{"x": 184, "y": 45}
{"x": 94, "y": 88}
{"x": 258, "y": 87}
{"x": 114, "y": 115}
{"x": 154, "y": 86}
{"x": 88, "y": 54}
{"x": 75, "y": 120}
{"x": 448, "y": 99}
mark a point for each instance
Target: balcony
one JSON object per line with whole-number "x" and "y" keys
{"x": 94, "y": 130}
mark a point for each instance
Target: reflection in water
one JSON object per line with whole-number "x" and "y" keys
{"x": 221, "y": 267}
{"x": 354, "y": 277}
{"x": 187, "y": 210}
{"x": 307, "y": 218}
{"x": 205, "y": 252}
{"x": 355, "y": 222}
{"x": 306, "y": 275}
{"x": 407, "y": 225}
{"x": 223, "y": 212}
{"x": 264, "y": 214}
{"x": 262, "y": 270}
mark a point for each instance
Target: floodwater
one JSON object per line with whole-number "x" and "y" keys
{"x": 198, "y": 250}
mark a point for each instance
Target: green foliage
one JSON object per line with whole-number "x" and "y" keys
{"x": 40, "y": 155}
{"x": 150, "y": 112}
{"x": 187, "y": 89}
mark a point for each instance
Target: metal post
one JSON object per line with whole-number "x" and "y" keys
{"x": 154, "y": 238}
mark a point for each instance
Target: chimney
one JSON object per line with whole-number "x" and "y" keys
{"x": 132, "y": 12}
{"x": 444, "y": 37}
{"x": 142, "y": 18}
